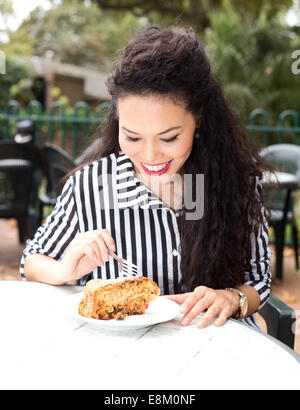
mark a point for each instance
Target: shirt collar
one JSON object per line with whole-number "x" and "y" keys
{"x": 131, "y": 192}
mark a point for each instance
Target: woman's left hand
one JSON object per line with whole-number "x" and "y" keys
{"x": 219, "y": 303}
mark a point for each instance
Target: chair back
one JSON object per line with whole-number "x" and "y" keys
{"x": 17, "y": 165}
{"x": 285, "y": 158}
{"x": 59, "y": 163}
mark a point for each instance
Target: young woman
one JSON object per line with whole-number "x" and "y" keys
{"x": 168, "y": 120}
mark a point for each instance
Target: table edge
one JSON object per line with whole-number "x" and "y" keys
{"x": 272, "y": 338}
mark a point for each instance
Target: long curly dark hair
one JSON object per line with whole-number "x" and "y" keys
{"x": 215, "y": 250}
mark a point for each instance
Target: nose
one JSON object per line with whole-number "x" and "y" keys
{"x": 152, "y": 153}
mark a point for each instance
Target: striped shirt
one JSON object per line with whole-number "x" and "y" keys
{"x": 108, "y": 195}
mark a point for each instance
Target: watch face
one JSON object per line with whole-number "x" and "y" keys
{"x": 244, "y": 306}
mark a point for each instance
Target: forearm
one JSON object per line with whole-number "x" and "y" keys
{"x": 42, "y": 268}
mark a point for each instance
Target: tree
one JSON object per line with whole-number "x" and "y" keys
{"x": 252, "y": 59}
{"x": 190, "y": 12}
{"x": 76, "y": 33}
{"x": 16, "y": 83}
{"x": 6, "y": 10}
{"x": 193, "y": 12}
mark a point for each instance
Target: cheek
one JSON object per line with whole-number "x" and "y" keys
{"x": 128, "y": 147}
{"x": 182, "y": 150}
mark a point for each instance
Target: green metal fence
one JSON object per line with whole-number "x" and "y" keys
{"x": 267, "y": 131}
{"x": 71, "y": 128}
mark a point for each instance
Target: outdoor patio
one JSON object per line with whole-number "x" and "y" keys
{"x": 288, "y": 291}
{"x": 75, "y": 77}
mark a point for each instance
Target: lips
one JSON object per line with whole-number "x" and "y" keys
{"x": 157, "y": 169}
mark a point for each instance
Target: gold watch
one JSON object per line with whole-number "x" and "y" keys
{"x": 243, "y": 308}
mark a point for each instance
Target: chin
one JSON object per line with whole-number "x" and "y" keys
{"x": 165, "y": 178}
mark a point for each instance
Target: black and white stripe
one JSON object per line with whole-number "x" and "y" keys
{"x": 108, "y": 195}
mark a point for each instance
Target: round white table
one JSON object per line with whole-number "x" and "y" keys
{"x": 43, "y": 347}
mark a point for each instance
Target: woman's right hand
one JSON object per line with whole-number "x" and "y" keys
{"x": 86, "y": 252}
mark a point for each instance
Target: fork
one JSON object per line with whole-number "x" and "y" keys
{"x": 126, "y": 268}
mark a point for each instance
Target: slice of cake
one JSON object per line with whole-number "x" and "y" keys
{"x": 117, "y": 298}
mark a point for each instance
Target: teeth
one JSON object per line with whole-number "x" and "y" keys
{"x": 155, "y": 167}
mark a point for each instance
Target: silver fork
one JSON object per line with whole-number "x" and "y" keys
{"x": 126, "y": 268}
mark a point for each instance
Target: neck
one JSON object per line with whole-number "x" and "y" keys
{"x": 171, "y": 192}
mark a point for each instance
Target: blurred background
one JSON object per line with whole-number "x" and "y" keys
{"x": 58, "y": 54}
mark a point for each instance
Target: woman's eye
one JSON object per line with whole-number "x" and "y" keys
{"x": 170, "y": 139}
{"x": 132, "y": 139}
{"x": 136, "y": 139}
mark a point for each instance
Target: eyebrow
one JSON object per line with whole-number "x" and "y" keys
{"x": 160, "y": 133}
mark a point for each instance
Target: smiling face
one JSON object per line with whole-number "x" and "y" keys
{"x": 156, "y": 134}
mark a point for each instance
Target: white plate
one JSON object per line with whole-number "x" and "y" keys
{"x": 161, "y": 310}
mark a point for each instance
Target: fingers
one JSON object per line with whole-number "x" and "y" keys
{"x": 105, "y": 241}
{"x": 201, "y": 299}
{"x": 194, "y": 311}
{"x": 108, "y": 239}
{"x": 83, "y": 248}
{"x": 95, "y": 245}
{"x": 103, "y": 249}
{"x": 223, "y": 316}
{"x": 193, "y": 299}
{"x": 213, "y": 311}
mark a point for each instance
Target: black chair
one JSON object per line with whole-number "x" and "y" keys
{"x": 58, "y": 163}
{"x": 286, "y": 158}
{"x": 279, "y": 319}
{"x": 19, "y": 185}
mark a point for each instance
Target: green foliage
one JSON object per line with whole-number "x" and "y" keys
{"x": 16, "y": 82}
{"x": 76, "y": 33}
{"x": 6, "y": 7}
{"x": 252, "y": 59}
{"x": 195, "y": 13}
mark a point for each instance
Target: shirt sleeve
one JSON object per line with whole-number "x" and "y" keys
{"x": 259, "y": 274}
{"x": 59, "y": 229}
